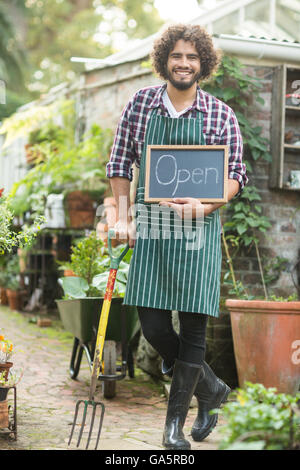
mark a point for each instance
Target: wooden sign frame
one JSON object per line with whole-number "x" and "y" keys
{"x": 225, "y": 150}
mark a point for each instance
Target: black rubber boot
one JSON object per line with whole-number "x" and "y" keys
{"x": 210, "y": 392}
{"x": 184, "y": 380}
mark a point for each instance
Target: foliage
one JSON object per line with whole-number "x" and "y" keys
{"x": 100, "y": 280}
{"x": 13, "y": 378}
{"x": 13, "y": 61}
{"x": 51, "y": 32}
{"x": 93, "y": 281}
{"x": 240, "y": 91}
{"x": 12, "y": 271}
{"x": 9, "y": 238}
{"x": 244, "y": 221}
{"x": 85, "y": 263}
{"x": 64, "y": 163}
{"x": 260, "y": 418}
{"x": 22, "y": 123}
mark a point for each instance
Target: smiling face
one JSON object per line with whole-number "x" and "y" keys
{"x": 183, "y": 66}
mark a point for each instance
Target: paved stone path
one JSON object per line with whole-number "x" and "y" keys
{"x": 46, "y": 397}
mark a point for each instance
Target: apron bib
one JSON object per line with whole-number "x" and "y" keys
{"x": 176, "y": 265}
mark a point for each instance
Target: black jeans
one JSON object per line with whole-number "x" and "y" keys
{"x": 188, "y": 346}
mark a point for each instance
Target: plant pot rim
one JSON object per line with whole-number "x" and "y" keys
{"x": 263, "y": 306}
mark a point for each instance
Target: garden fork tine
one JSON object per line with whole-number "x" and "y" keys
{"x": 114, "y": 264}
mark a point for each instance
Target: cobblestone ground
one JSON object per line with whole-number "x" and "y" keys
{"x": 46, "y": 397}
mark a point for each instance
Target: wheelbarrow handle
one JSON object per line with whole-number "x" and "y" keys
{"x": 114, "y": 260}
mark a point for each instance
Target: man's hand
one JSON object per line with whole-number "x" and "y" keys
{"x": 125, "y": 232}
{"x": 186, "y": 207}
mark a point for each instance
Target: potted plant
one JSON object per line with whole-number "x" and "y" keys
{"x": 13, "y": 285}
{"x": 259, "y": 418}
{"x": 265, "y": 331}
{"x": 6, "y": 350}
{"x": 48, "y": 133}
{"x": 74, "y": 170}
{"x": 11, "y": 239}
{"x": 3, "y": 286}
{"x": 8, "y": 378}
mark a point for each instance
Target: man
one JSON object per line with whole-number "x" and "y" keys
{"x": 164, "y": 274}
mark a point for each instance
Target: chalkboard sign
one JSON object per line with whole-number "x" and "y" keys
{"x": 198, "y": 171}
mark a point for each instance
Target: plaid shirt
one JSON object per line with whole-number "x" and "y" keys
{"x": 220, "y": 127}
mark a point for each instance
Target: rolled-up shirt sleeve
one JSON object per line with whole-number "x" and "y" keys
{"x": 123, "y": 153}
{"x": 231, "y": 136}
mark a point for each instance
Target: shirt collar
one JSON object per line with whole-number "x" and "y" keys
{"x": 199, "y": 103}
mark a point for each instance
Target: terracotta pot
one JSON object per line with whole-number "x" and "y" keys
{"x": 81, "y": 209}
{"x": 4, "y": 421}
{"x": 14, "y": 299}
{"x": 69, "y": 272}
{"x": 266, "y": 340}
{"x": 3, "y": 296}
{"x": 5, "y": 367}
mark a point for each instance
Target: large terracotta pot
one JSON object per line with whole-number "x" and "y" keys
{"x": 4, "y": 418}
{"x": 14, "y": 299}
{"x": 266, "y": 340}
{"x": 3, "y": 296}
{"x": 81, "y": 209}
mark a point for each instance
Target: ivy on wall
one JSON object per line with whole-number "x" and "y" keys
{"x": 244, "y": 219}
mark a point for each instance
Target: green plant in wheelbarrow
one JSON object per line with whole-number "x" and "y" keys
{"x": 100, "y": 358}
{"x": 81, "y": 306}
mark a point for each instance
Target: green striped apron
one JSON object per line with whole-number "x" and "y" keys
{"x": 176, "y": 264}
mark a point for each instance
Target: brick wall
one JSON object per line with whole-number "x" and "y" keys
{"x": 282, "y": 207}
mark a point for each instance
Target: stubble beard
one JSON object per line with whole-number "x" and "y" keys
{"x": 183, "y": 85}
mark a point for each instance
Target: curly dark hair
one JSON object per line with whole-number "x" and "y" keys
{"x": 209, "y": 57}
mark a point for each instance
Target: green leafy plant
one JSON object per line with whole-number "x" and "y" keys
{"x": 10, "y": 238}
{"x": 22, "y": 123}
{"x": 241, "y": 230}
{"x": 13, "y": 273}
{"x": 90, "y": 262}
{"x": 14, "y": 377}
{"x": 100, "y": 280}
{"x": 65, "y": 165}
{"x": 240, "y": 91}
{"x": 260, "y": 418}
{"x": 244, "y": 222}
{"x": 85, "y": 264}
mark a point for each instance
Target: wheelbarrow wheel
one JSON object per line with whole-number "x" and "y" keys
{"x": 110, "y": 368}
{"x": 75, "y": 359}
{"x": 130, "y": 363}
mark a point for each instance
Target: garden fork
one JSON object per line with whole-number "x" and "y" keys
{"x": 91, "y": 403}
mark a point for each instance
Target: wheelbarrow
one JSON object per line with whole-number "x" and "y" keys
{"x": 81, "y": 318}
